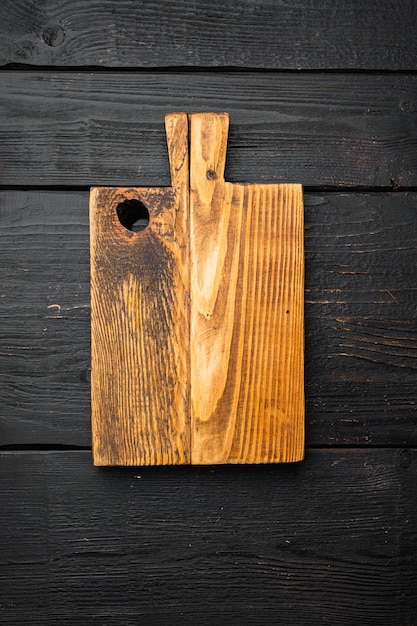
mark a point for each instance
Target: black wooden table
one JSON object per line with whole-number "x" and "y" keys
{"x": 322, "y": 93}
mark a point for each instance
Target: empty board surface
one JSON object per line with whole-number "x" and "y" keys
{"x": 197, "y": 320}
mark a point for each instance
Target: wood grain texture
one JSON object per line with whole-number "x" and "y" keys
{"x": 331, "y": 540}
{"x": 247, "y": 296}
{"x": 140, "y": 321}
{"x": 368, "y": 34}
{"x": 104, "y": 128}
{"x": 231, "y": 335}
{"x": 360, "y": 318}
{"x": 44, "y": 319}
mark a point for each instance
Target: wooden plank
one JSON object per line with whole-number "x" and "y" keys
{"x": 107, "y": 129}
{"x": 330, "y": 539}
{"x": 45, "y": 316}
{"x": 301, "y": 35}
{"x": 360, "y": 318}
{"x": 247, "y": 314}
{"x": 140, "y": 318}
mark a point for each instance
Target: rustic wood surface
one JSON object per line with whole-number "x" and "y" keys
{"x": 247, "y": 310}
{"x": 329, "y": 540}
{"x": 367, "y": 34}
{"x": 84, "y": 87}
{"x": 197, "y": 322}
{"x": 140, "y": 320}
{"x": 72, "y": 129}
{"x": 360, "y": 331}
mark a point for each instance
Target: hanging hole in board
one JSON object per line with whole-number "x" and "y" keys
{"x": 133, "y": 215}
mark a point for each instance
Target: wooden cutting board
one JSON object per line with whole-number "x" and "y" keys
{"x": 198, "y": 319}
